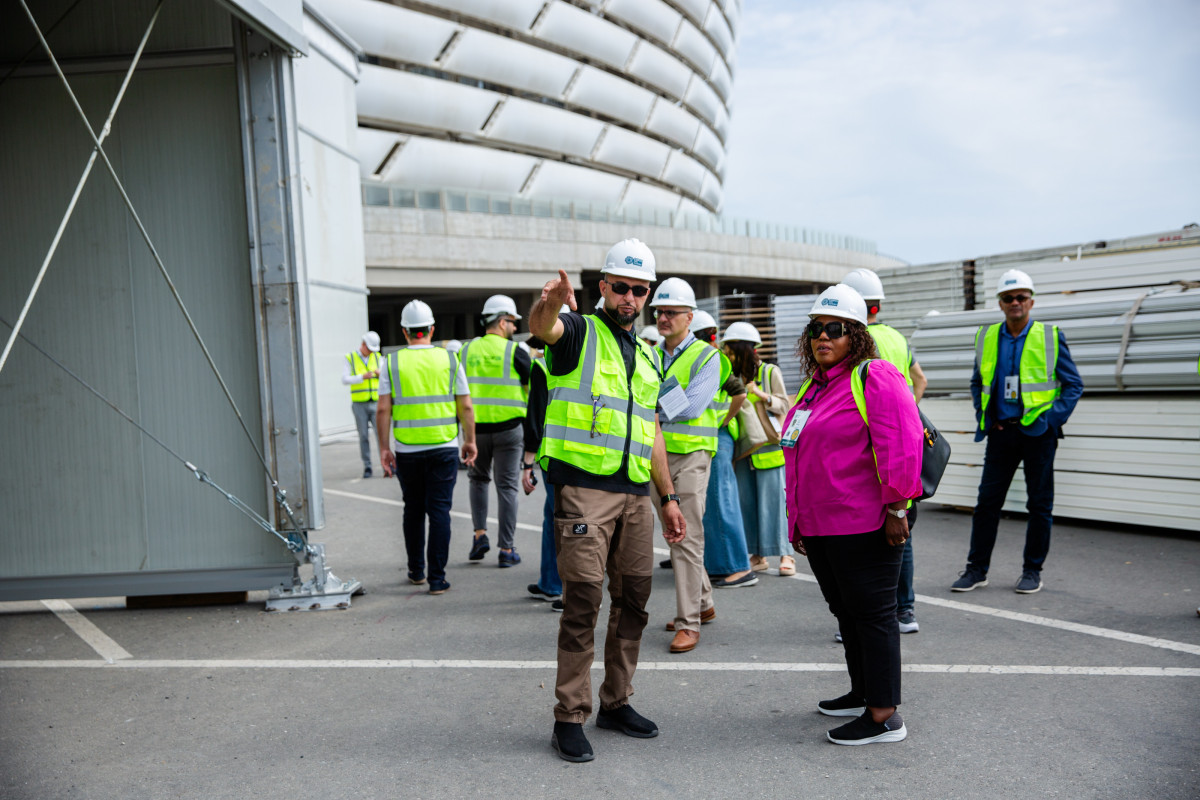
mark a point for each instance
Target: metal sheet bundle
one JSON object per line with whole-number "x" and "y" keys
{"x": 915, "y": 290}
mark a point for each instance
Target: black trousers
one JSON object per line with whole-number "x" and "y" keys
{"x": 858, "y": 575}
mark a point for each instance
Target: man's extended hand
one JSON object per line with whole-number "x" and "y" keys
{"x": 674, "y": 525}
{"x": 559, "y": 291}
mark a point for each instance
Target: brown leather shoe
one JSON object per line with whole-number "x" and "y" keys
{"x": 707, "y": 616}
{"x": 685, "y": 641}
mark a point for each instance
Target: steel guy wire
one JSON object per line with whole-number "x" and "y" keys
{"x": 33, "y": 48}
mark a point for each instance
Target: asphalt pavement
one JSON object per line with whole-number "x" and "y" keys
{"x": 1090, "y": 688}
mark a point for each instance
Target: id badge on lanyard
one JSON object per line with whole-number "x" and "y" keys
{"x": 1012, "y": 387}
{"x": 794, "y": 427}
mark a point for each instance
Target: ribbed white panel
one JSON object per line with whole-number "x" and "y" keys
{"x": 382, "y": 29}
{"x": 722, "y": 79}
{"x": 701, "y": 97}
{"x": 695, "y": 9}
{"x": 721, "y": 126}
{"x": 409, "y": 99}
{"x": 544, "y": 127}
{"x": 608, "y": 94}
{"x": 658, "y": 68}
{"x": 504, "y": 61}
{"x": 733, "y": 16}
{"x": 693, "y": 44}
{"x": 652, "y": 17}
{"x": 674, "y": 123}
{"x": 433, "y": 162}
{"x": 643, "y": 195}
{"x": 516, "y": 14}
{"x": 578, "y": 30}
{"x": 632, "y": 151}
{"x": 558, "y": 179}
{"x": 692, "y": 208}
{"x": 707, "y": 147}
{"x": 711, "y": 191}
{"x": 684, "y": 171}
{"x": 717, "y": 27}
{"x": 372, "y": 147}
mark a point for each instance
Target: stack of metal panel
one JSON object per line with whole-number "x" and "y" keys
{"x": 915, "y": 290}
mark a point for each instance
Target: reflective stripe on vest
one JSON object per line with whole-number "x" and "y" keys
{"x": 689, "y": 436}
{"x": 423, "y": 406}
{"x": 1039, "y": 360}
{"x": 598, "y": 413}
{"x": 496, "y": 389}
{"x": 771, "y": 455}
{"x": 368, "y": 389}
{"x": 893, "y": 348}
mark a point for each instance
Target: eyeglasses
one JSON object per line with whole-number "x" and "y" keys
{"x": 836, "y": 329}
{"x": 621, "y": 287}
{"x": 598, "y": 405}
{"x": 662, "y": 312}
{"x": 1009, "y": 298}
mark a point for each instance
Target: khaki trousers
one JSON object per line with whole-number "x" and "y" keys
{"x": 599, "y": 532}
{"x": 693, "y": 590}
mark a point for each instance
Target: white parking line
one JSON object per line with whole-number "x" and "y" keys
{"x": 462, "y": 514}
{"x": 654, "y": 666}
{"x": 97, "y": 639}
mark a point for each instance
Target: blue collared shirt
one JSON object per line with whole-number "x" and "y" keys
{"x": 700, "y": 391}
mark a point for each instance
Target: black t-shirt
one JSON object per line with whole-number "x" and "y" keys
{"x": 522, "y": 364}
{"x": 563, "y": 359}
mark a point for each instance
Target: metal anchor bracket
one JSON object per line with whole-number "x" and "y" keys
{"x": 321, "y": 592}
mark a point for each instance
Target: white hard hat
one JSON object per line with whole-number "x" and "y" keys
{"x": 566, "y": 309}
{"x": 651, "y": 334}
{"x": 600, "y": 303}
{"x": 840, "y": 300}
{"x": 371, "y": 340}
{"x": 866, "y": 283}
{"x": 499, "y": 304}
{"x": 453, "y": 345}
{"x": 1014, "y": 279}
{"x": 416, "y": 315}
{"x": 701, "y": 320}
{"x": 674, "y": 292}
{"x": 630, "y": 258}
{"x": 741, "y": 332}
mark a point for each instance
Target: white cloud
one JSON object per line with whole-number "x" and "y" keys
{"x": 947, "y": 130}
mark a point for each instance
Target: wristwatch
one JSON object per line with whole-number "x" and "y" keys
{"x": 666, "y": 498}
{"x": 901, "y": 513}
{"x": 526, "y": 466}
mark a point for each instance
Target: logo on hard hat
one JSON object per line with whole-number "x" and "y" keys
{"x": 829, "y": 301}
{"x": 637, "y": 262}
{"x": 663, "y": 296}
{"x": 1010, "y": 280}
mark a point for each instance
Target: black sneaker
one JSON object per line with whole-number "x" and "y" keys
{"x": 627, "y": 721}
{"x": 367, "y": 472}
{"x": 558, "y": 606}
{"x": 845, "y": 706}
{"x": 538, "y": 594}
{"x": 438, "y": 587}
{"x": 1031, "y": 581}
{"x": 865, "y": 730}
{"x": 479, "y": 548}
{"x": 665, "y": 563}
{"x": 570, "y": 743}
{"x": 509, "y": 559}
{"x": 970, "y": 578}
{"x": 907, "y": 621}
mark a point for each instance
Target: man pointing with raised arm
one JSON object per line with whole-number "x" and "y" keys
{"x": 601, "y": 448}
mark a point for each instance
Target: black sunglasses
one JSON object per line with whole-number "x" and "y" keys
{"x": 621, "y": 287}
{"x": 1008, "y": 298}
{"x": 836, "y": 329}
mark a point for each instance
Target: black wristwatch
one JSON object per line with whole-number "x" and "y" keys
{"x": 526, "y": 466}
{"x": 666, "y": 498}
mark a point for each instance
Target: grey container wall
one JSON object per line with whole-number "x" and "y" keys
{"x": 87, "y": 504}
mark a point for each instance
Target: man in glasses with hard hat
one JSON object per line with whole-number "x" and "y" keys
{"x": 361, "y": 374}
{"x": 1025, "y": 387}
{"x": 601, "y": 448}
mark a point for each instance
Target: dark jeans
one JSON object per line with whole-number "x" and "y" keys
{"x": 906, "y": 594}
{"x": 858, "y": 575}
{"x": 1006, "y": 449}
{"x": 548, "y": 580}
{"x": 427, "y": 484}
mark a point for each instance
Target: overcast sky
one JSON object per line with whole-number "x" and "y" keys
{"x": 945, "y": 129}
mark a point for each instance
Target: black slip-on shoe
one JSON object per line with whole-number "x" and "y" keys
{"x": 845, "y": 706}
{"x": 570, "y": 743}
{"x": 627, "y": 721}
{"x": 479, "y": 548}
{"x": 865, "y": 730}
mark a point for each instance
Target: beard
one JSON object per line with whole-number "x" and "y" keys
{"x": 621, "y": 319}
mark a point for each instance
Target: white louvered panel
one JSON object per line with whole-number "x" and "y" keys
{"x": 538, "y": 125}
{"x": 507, "y": 62}
{"x": 721, "y": 123}
{"x": 661, "y": 69}
{"x": 707, "y": 148}
{"x": 558, "y": 179}
{"x": 434, "y": 162}
{"x": 576, "y": 29}
{"x": 372, "y": 147}
{"x": 515, "y": 14}
{"x": 693, "y": 209}
{"x": 644, "y": 195}
{"x": 733, "y": 17}
{"x": 616, "y": 97}
{"x": 695, "y": 9}
{"x": 409, "y": 99}
{"x": 710, "y": 193}
{"x": 632, "y": 151}
{"x": 652, "y": 17}
{"x": 716, "y": 26}
{"x": 695, "y": 46}
{"x": 685, "y": 172}
{"x": 701, "y": 97}
{"x": 674, "y": 123}
{"x": 722, "y": 79}
{"x": 382, "y": 29}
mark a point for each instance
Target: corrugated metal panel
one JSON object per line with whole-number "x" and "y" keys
{"x": 915, "y": 290}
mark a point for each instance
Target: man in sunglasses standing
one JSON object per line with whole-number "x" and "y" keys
{"x": 601, "y": 447}
{"x": 1025, "y": 387}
